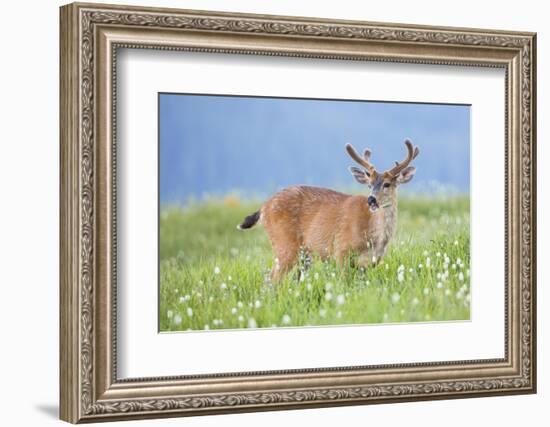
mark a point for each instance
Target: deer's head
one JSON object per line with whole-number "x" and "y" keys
{"x": 383, "y": 185}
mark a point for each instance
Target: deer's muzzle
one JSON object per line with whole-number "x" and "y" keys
{"x": 373, "y": 203}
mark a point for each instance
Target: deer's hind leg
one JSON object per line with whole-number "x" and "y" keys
{"x": 286, "y": 248}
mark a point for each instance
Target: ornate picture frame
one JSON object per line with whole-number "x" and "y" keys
{"x": 90, "y": 37}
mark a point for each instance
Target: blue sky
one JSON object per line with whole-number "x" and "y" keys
{"x": 220, "y": 144}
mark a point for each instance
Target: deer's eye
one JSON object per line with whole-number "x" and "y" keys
{"x": 386, "y": 184}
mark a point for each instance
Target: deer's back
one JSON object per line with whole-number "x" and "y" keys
{"x": 310, "y": 214}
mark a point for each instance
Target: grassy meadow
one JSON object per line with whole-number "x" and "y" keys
{"x": 212, "y": 276}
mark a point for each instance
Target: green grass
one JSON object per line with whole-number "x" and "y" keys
{"x": 212, "y": 276}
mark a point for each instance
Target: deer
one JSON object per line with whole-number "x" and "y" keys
{"x": 329, "y": 223}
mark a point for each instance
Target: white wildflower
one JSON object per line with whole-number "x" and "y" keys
{"x": 428, "y": 262}
{"x": 456, "y": 243}
{"x": 447, "y": 292}
{"x": 328, "y": 296}
{"x": 400, "y": 276}
{"x": 395, "y": 297}
{"x": 239, "y": 304}
{"x": 322, "y": 312}
{"x": 240, "y": 318}
{"x": 234, "y": 310}
{"x": 308, "y": 286}
{"x": 328, "y": 286}
{"x": 461, "y": 276}
{"x": 207, "y": 327}
{"x": 415, "y": 301}
{"x": 177, "y": 319}
{"x": 216, "y": 270}
{"x": 257, "y": 303}
{"x": 285, "y": 320}
{"x": 189, "y": 311}
{"x": 338, "y": 314}
{"x": 340, "y": 299}
{"x": 252, "y": 323}
{"x": 439, "y": 285}
{"x": 170, "y": 314}
{"x": 223, "y": 286}
{"x": 426, "y": 291}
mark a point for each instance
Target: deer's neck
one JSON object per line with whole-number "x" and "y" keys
{"x": 389, "y": 212}
{"x": 388, "y": 224}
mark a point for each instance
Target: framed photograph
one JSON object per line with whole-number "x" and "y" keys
{"x": 266, "y": 212}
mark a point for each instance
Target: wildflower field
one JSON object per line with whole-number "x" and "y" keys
{"x": 212, "y": 276}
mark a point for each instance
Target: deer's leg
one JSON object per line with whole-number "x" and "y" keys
{"x": 366, "y": 259}
{"x": 341, "y": 256}
{"x": 369, "y": 258}
{"x": 286, "y": 247}
{"x": 285, "y": 259}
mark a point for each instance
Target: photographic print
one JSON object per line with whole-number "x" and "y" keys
{"x": 288, "y": 212}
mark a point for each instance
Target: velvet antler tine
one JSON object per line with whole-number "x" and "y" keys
{"x": 412, "y": 152}
{"x": 363, "y": 161}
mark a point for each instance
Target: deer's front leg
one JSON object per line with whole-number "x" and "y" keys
{"x": 367, "y": 259}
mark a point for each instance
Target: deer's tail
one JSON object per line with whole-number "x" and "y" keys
{"x": 250, "y": 221}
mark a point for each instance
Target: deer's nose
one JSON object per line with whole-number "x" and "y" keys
{"x": 371, "y": 200}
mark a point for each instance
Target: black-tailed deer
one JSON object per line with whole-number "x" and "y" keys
{"x": 330, "y": 223}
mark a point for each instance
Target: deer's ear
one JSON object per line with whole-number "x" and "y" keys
{"x": 406, "y": 175}
{"x": 360, "y": 175}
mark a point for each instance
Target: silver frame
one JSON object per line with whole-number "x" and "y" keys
{"x": 90, "y": 37}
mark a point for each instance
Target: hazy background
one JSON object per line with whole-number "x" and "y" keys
{"x": 212, "y": 145}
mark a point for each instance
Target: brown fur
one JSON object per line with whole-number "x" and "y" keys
{"x": 327, "y": 223}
